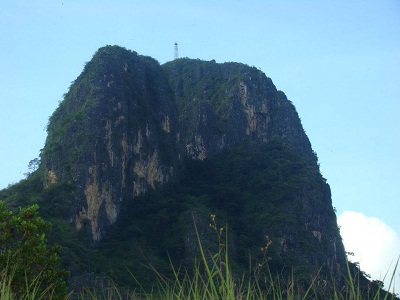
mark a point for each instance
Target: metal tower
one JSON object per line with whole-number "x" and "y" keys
{"x": 176, "y": 55}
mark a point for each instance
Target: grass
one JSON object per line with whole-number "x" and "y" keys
{"x": 31, "y": 291}
{"x": 211, "y": 278}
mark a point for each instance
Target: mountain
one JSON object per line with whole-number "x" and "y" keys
{"x": 138, "y": 155}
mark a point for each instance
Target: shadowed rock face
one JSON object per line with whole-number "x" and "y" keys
{"x": 127, "y": 125}
{"x": 221, "y": 105}
{"x": 114, "y": 135}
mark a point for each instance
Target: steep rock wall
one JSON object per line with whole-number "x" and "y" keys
{"x": 127, "y": 124}
{"x": 221, "y": 105}
{"x": 114, "y": 135}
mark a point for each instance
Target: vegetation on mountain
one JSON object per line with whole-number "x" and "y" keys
{"x": 139, "y": 156}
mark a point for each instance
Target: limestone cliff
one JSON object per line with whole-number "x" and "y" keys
{"x": 127, "y": 126}
{"x": 113, "y": 136}
{"x": 221, "y": 105}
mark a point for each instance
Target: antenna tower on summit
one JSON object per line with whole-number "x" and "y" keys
{"x": 176, "y": 54}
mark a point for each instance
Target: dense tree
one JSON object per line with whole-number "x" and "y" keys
{"x": 25, "y": 257}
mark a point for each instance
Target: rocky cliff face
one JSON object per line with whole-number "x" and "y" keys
{"x": 220, "y": 105}
{"x": 127, "y": 126}
{"x": 113, "y": 136}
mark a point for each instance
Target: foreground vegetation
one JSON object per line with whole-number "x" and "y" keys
{"x": 30, "y": 270}
{"x": 27, "y": 263}
{"x": 214, "y": 283}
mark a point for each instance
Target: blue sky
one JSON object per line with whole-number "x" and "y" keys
{"x": 337, "y": 61}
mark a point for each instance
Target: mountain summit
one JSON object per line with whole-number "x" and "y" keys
{"x": 138, "y": 152}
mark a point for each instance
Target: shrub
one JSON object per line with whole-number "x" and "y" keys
{"x": 25, "y": 258}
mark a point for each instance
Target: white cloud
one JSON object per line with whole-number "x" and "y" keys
{"x": 376, "y": 246}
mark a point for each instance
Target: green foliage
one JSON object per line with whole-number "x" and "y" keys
{"x": 198, "y": 81}
{"x": 24, "y": 252}
{"x": 55, "y": 206}
{"x": 25, "y": 192}
{"x": 251, "y": 188}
